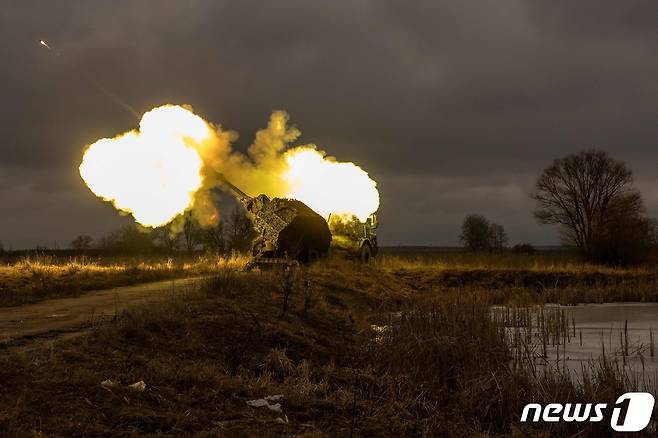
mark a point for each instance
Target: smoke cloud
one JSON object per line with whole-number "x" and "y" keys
{"x": 271, "y": 166}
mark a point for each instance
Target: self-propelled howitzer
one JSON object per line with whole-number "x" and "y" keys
{"x": 287, "y": 228}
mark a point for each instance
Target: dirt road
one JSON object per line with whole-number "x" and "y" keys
{"x": 64, "y": 316}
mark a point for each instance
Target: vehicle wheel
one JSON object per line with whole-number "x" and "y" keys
{"x": 313, "y": 256}
{"x": 365, "y": 253}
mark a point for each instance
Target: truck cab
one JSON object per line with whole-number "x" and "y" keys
{"x": 355, "y": 238}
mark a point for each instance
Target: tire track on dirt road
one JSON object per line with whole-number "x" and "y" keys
{"x": 69, "y": 316}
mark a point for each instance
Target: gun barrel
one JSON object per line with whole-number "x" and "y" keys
{"x": 286, "y": 228}
{"x": 236, "y": 191}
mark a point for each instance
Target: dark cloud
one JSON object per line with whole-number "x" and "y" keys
{"x": 454, "y": 107}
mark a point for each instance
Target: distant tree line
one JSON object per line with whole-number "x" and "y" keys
{"x": 589, "y": 195}
{"x": 478, "y": 234}
{"x": 233, "y": 234}
{"x": 592, "y": 198}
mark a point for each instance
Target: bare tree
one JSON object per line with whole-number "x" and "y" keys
{"x": 168, "y": 240}
{"x": 580, "y": 192}
{"x": 625, "y": 236}
{"x": 475, "y": 233}
{"x": 240, "y": 230}
{"x": 478, "y": 234}
{"x": 81, "y": 242}
{"x": 213, "y": 237}
{"x": 190, "y": 232}
{"x": 287, "y": 278}
{"x": 128, "y": 239}
{"x": 497, "y": 237}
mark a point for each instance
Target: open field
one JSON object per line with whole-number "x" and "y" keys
{"x": 35, "y": 278}
{"x": 70, "y": 316}
{"x": 523, "y": 278}
{"x": 540, "y": 278}
{"x": 378, "y": 350}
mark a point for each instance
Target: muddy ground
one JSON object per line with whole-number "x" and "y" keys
{"x": 56, "y": 317}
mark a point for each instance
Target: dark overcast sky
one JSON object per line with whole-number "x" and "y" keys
{"x": 453, "y": 107}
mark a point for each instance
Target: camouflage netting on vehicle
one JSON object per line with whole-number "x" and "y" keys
{"x": 307, "y": 235}
{"x": 289, "y": 228}
{"x": 286, "y": 228}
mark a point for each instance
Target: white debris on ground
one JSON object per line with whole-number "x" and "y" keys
{"x": 382, "y": 330}
{"x": 269, "y": 402}
{"x": 136, "y": 387}
{"x": 109, "y": 383}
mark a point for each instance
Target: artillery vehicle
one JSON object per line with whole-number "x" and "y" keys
{"x": 287, "y": 229}
{"x": 355, "y": 238}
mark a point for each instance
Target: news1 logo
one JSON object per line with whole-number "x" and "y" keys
{"x": 638, "y": 410}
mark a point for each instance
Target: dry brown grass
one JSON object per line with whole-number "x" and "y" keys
{"x": 465, "y": 261}
{"x": 542, "y": 278}
{"x": 503, "y": 277}
{"x": 36, "y": 278}
{"x": 439, "y": 365}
